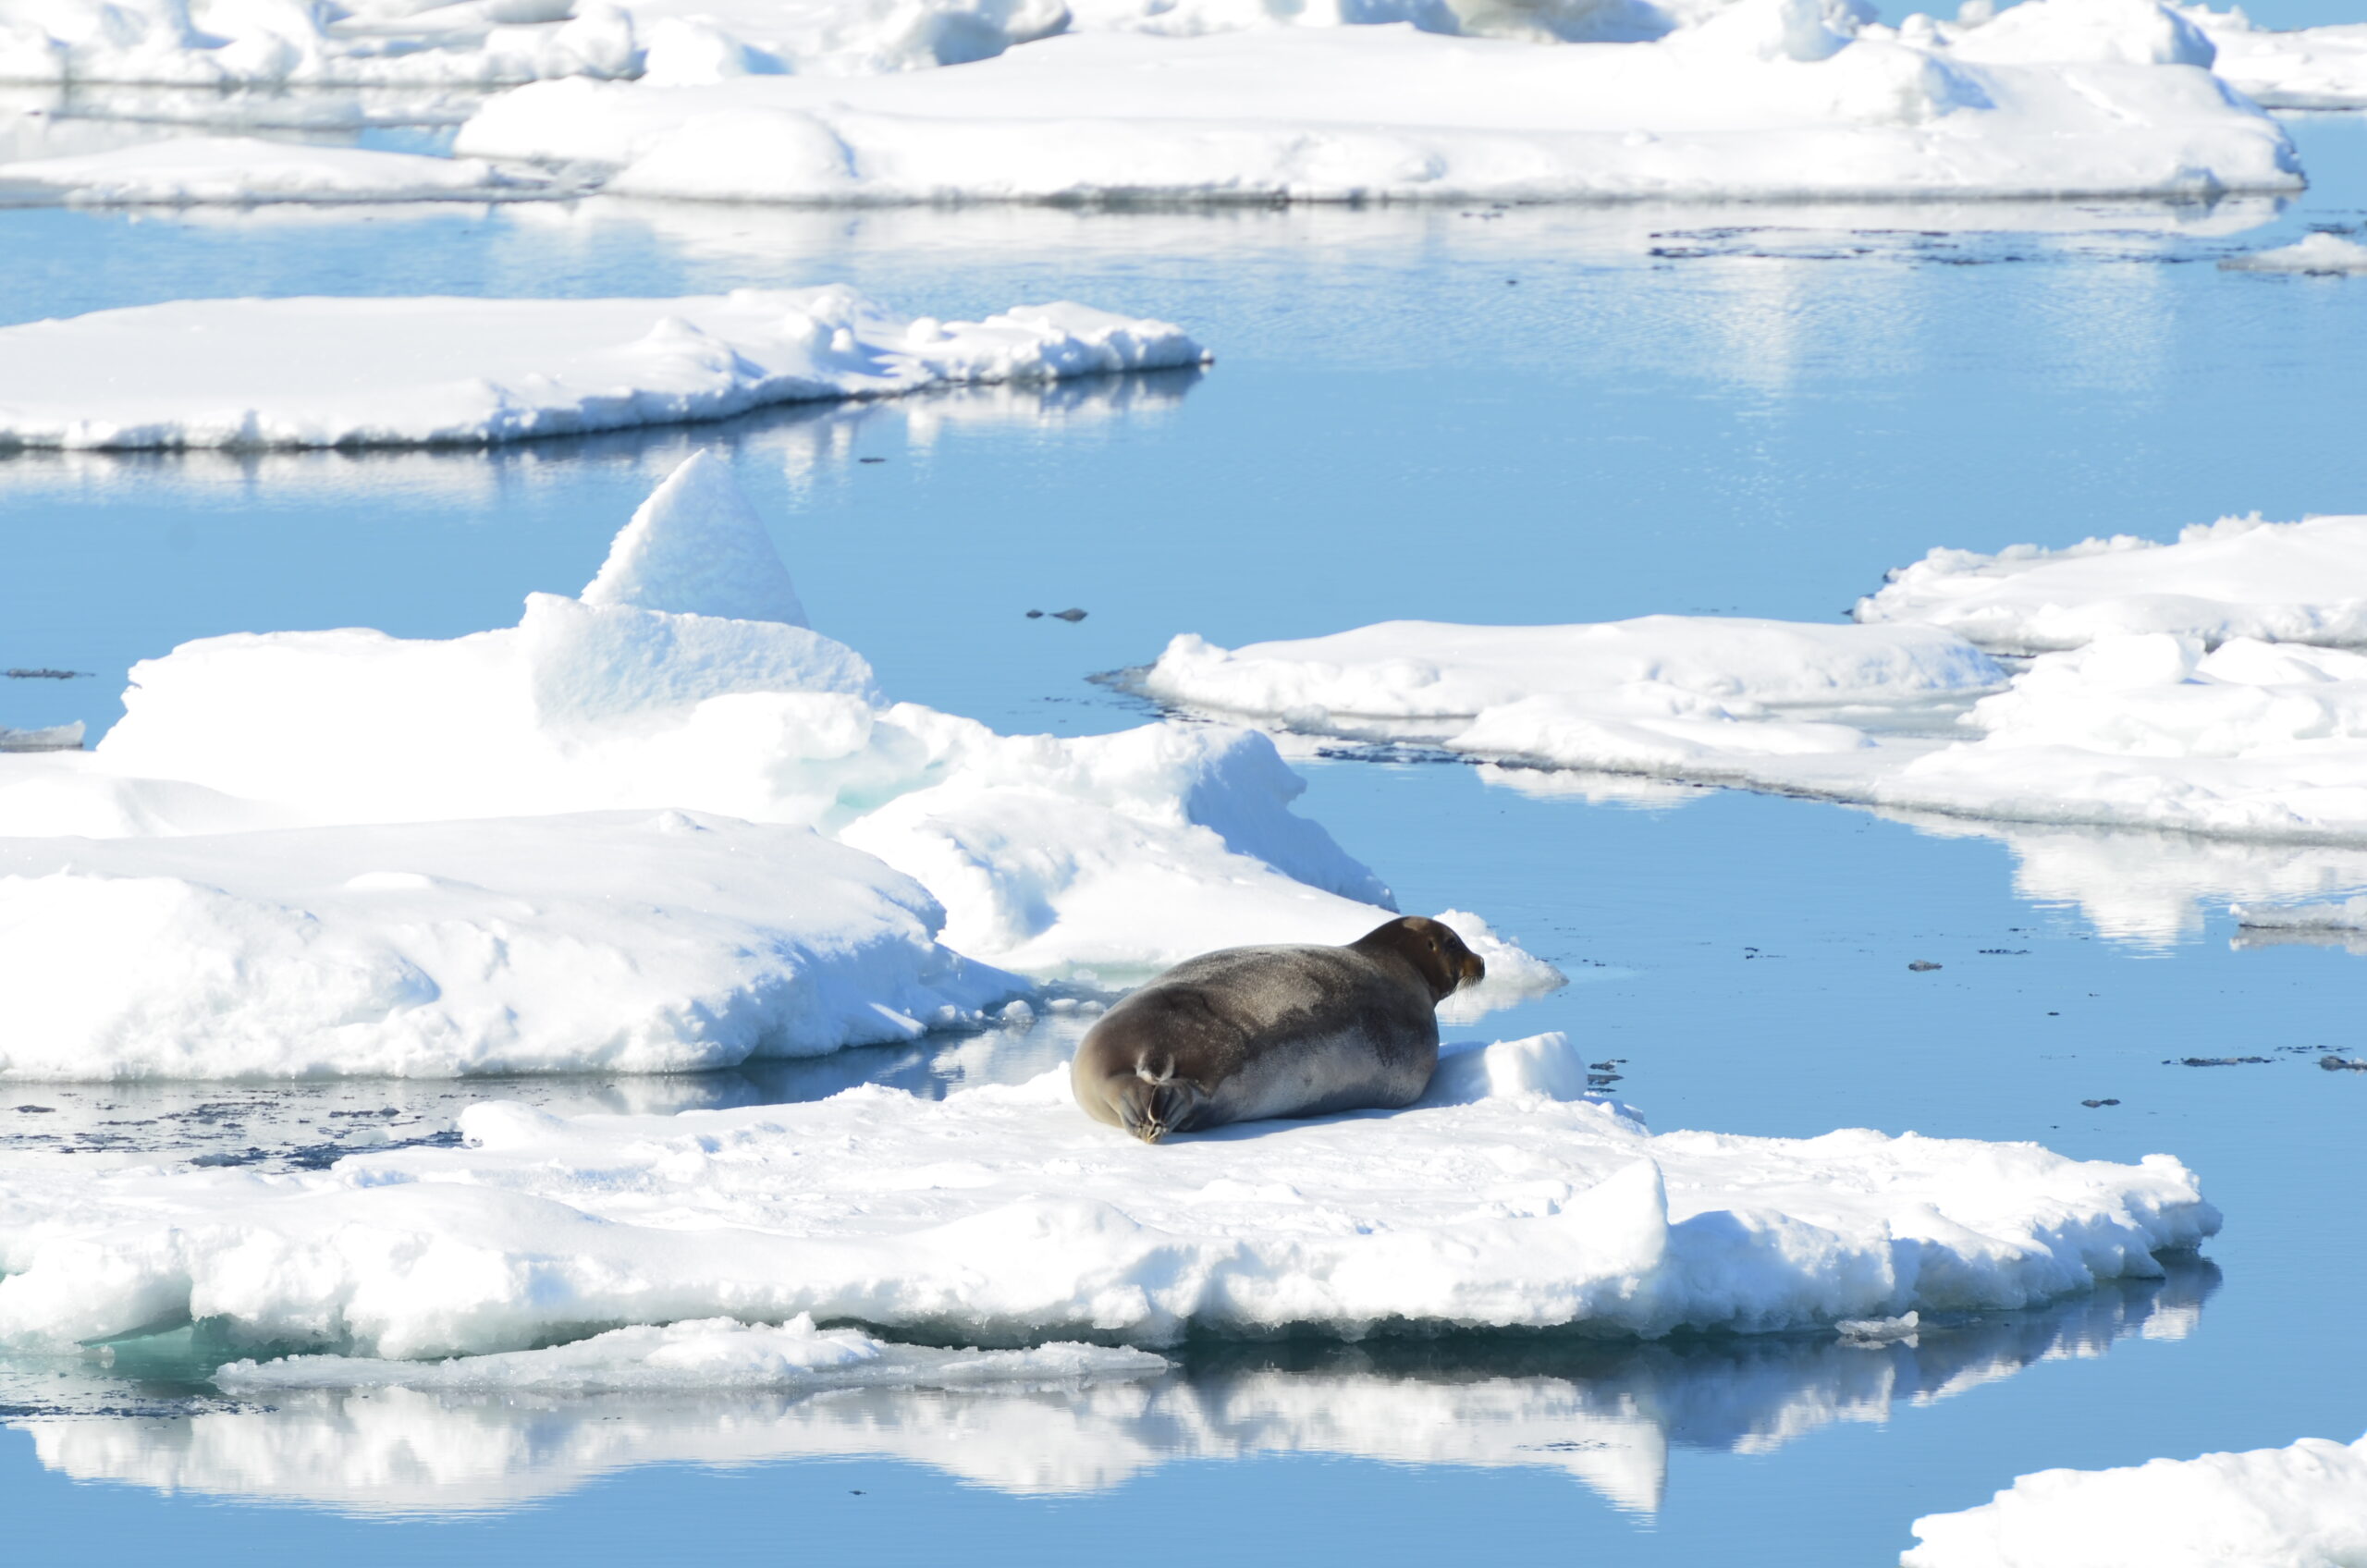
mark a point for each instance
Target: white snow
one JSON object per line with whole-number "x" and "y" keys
{"x": 1656, "y": 693}
{"x": 626, "y": 942}
{"x": 2315, "y": 67}
{"x": 2239, "y": 577}
{"x": 1765, "y": 100}
{"x": 697, "y": 547}
{"x": 1005, "y": 1214}
{"x": 419, "y": 371}
{"x": 706, "y": 1355}
{"x": 199, "y": 169}
{"x": 2321, "y": 255}
{"x": 2299, "y": 1507}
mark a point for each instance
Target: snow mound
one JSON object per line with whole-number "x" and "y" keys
{"x": 1005, "y": 1215}
{"x": 2314, "y": 68}
{"x": 1767, "y": 99}
{"x": 2299, "y": 1507}
{"x": 2239, "y": 577}
{"x": 2321, "y": 255}
{"x": 429, "y": 371}
{"x": 2129, "y": 32}
{"x": 629, "y": 942}
{"x": 209, "y": 169}
{"x": 697, "y": 547}
{"x": 706, "y": 1355}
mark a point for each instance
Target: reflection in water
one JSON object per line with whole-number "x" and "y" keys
{"x": 797, "y": 439}
{"x": 1603, "y": 1414}
{"x": 2154, "y": 889}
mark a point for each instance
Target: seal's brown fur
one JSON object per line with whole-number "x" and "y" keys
{"x": 1247, "y": 1033}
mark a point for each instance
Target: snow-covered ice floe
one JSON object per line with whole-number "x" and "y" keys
{"x": 429, "y": 1436}
{"x": 2299, "y": 1507}
{"x": 194, "y": 170}
{"x": 1001, "y": 1214}
{"x": 251, "y": 372}
{"x": 2166, "y": 705}
{"x": 2319, "y": 255}
{"x": 589, "y": 840}
{"x": 2239, "y": 577}
{"x": 2314, "y": 68}
{"x": 1768, "y": 98}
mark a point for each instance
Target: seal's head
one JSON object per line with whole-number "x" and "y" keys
{"x": 1433, "y": 949}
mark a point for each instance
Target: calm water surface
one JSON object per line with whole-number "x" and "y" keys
{"x": 1536, "y": 415}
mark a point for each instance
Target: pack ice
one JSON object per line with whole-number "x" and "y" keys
{"x": 1001, "y": 1214}
{"x": 2193, "y": 686}
{"x": 662, "y": 827}
{"x": 1767, "y": 98}
{"x": 2299, "y": 1507}
{"x": 433, "y": 372}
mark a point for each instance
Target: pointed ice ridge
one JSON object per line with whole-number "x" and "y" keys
{"x": 697, "y": 547}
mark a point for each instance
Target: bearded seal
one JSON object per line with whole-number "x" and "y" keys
{"x": 1248, "y": 1032}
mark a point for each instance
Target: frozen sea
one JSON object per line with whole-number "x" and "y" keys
{"x": 1483, "y": 414}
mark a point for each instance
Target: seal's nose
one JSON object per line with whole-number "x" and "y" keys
{"x": 1475, "y": 969}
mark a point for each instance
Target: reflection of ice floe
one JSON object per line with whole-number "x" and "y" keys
{"x": 424, "y": 371}
{"x": 2156, "y": 889}
{"x": 1002, "y": 1214}
{"x": 2300, "y": 1507}
{"x": 1604, "y": 1415}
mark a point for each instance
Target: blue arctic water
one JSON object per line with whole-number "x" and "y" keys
{"x": 1525, "y": 417}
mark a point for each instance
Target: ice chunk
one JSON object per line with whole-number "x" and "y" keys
{"x": 2239, "y": 577}
{"x": 2299, "y": 1507}
{"x": 2130, "y": 33}
{"x": 249, "y": 373}
{"x": 1005, "y": 1215}
{"x": 697, "y": 547}
{"x": 2320, "y": 254}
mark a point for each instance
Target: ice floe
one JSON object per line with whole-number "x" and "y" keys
{"x": 2314, "y": 67}
{"x": 199, "y": 169}
{"x": 2239, "y": 577}
{"x": 2320, "y": 255}
{"x": 2166, "y": 704}
{"x": 590, "y": 841}
{"x": 421, "y": 371}
{"x": 1766, "y": 99}
{"x": 2299, "y": 1507}
{"x": 1004, "y": 1214}
{"x": 1605, "y": 1413}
